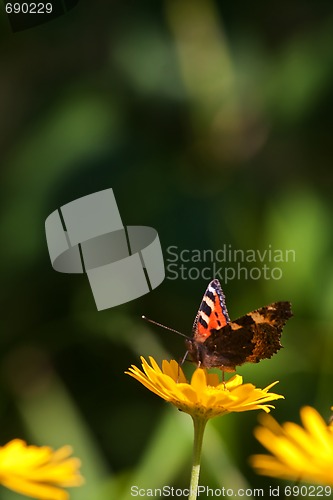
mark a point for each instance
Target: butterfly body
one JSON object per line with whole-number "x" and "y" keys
{"x": 219, "y": 342}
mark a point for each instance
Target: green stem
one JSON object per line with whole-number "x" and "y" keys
{"x": 199, "y": 429}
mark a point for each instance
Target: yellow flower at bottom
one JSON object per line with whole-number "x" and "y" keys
{"x": 205, "y": 395}
{"x": 298, "y": 453}
{"x": 38, "y": 472}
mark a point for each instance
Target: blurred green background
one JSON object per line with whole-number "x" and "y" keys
{"x": 212, "y": 122}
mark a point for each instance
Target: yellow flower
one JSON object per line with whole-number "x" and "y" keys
{"x": 298, "y": 453}
{"x": 205, "y": 396}
{"x": 38, "y": 472}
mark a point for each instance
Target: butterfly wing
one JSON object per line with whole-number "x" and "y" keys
{"x": 219, "y": 342}
{"x": 212, "y": 313}
{"x": 250, "y": 338}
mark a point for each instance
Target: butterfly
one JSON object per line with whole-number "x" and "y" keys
{"x": 219, "y": 342}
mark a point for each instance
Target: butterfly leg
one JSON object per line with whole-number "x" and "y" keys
{"x": 223, "y": 379}
{"x": 183, "y": 359}
{"x": 181, "y": 362}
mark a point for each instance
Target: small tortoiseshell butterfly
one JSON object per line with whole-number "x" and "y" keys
{"x": 219, "y": 342}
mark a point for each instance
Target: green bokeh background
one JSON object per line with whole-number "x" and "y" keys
{"x": 212, "y": 122}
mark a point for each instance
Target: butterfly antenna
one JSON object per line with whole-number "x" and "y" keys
{"x": 163, "y": 326}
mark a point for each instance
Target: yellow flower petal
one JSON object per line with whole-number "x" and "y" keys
{"x": 205, "y": 395}
{"x": 35, "y": 490}
{"x": 173, "y": 370}
{"x": 212, "y": 379}
{"x": 298, "y": 453}
{"x": 315, "y": 425}
{"x": 234, "y": 381}
{"x": 38, "y": 472}
{"x": 199, "y": 381}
